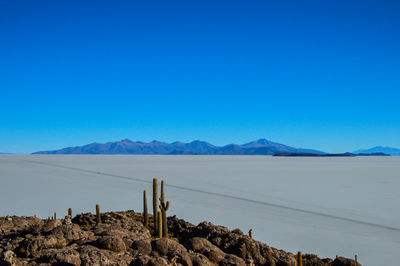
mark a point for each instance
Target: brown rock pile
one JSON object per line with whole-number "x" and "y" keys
{"x": 121, "y": 239}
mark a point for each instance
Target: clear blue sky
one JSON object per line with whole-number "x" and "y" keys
{"x": 314, "y": 74}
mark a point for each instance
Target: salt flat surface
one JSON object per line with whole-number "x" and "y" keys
{"x": 325, "y": 206}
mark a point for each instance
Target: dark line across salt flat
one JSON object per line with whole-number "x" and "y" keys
{"x": 218, "y": 194}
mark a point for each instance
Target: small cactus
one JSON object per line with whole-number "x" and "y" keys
{"x": 164, "y": 208}
{"x": 98, "y": 219}
{"x": 145, "y": 212}
{"x": 251, "y": 233}
{"x": 299, "y": 259}
{"x": 55, "y": 216}
{"x": 155, "y": 203}
{"x": 70, "y": 212}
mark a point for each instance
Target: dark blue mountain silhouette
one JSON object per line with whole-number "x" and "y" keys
{"x": 197, "y": 147}
{"x": 379, "y": 149}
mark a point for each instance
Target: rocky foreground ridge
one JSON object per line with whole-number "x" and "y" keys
{"x": 122, "y": 239}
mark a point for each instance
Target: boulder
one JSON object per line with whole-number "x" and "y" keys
{"x": 90, "y": 255}
{"x": 231, "y": 260}
{"x": 171, "y": 249}
{"x": 8, "y": 258}
{"x": 113, "y": 243}
{"x": 70, "y": 232}
{"x": 66, "y": 256}
{"x": 341, "y": 261}
{"x": 31, "y": 247}
{"x": 149, "y": 261}
{"x": 49, "y": 225}
{"x": 85, "y": 220}
{"x": 203, "y": 246}
{"x": 199, "y": 260}
{"x": 142, "y": 246}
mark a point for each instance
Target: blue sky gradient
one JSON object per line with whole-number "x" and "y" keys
{"x": 314, "y": 74}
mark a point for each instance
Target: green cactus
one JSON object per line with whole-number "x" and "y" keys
{"x": 164, "y": 208}
{"x": 251, "y": 233}
{"x": 155, "y": 203}
{"x": 145, "y": 212}
{"x": 98, "y": 219}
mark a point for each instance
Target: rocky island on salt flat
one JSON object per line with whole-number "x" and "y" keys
{"x": 122, "y": 239}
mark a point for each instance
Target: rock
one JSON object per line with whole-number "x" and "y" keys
{"x": 31, "y": 247}
{"x": 237, "y": 231}
{"x": 313, "y": 260}
{"x": 287, "y": 261}
{"x": 121, "y": 239}
{"x": 68, "y": 220}
{"x": 142, "y": 247}
{"x": 67, "y": 256}
{"x": 8, "y": 258}
{"x": 242, "y": 246}
{"x": 113, "y": 243}
{"x": 174, "y": 251}
{"x": 178, "y": 227}
{"x": 90, "y": 255}
{"x": 203, "y": 246}
{"x": 231, "y": 260}
{"x": 70, "y": 232}
{"x": 237, "y": 243}
{"x": 199, "y": 260}
{"x": 85, "y": 219}
{"x": 341, "y": 261}
{"x": 150, "y": 261}
{"x": 136, "y": 233}
{"x": 208, "y": 230}
{"x": 18, "y": 225}
{"x": 50, "y": 225}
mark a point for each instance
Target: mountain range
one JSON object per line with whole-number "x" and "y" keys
{"x": 197, "y": 147}
{"x": 377, "y": 149}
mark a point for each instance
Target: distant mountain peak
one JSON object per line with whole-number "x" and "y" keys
{"x": 380, "y": 149}
{"x": 262, "y": 141}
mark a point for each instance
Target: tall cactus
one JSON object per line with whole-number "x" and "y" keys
{"x": 145, "y": 212}
{"x": 164, "y": 208}
{"x": 299, "y": 259}
{"x": 98, "y": 219}
{"x": 70, "y": 212}
{"x": 159, "y": 225}
{"x": 155, "y": 203}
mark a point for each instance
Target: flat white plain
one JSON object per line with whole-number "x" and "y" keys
{"x": 326, "y": 206}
